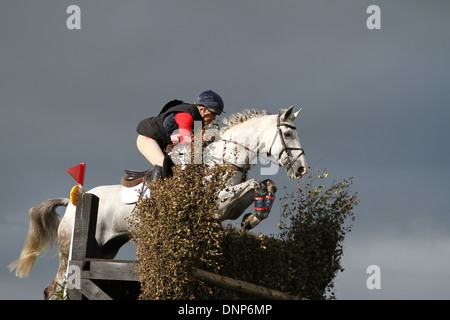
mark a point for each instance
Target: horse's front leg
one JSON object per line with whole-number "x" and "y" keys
{"x": 234, "y": 200}
{"x": 264, "y": 199}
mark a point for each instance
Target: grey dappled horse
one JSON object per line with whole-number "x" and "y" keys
{"x": 249, "y": 134}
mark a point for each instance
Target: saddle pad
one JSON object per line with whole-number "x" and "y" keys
{"x": 132, "y": 195}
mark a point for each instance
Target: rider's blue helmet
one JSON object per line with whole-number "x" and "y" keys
{"x": 211, "y": 101}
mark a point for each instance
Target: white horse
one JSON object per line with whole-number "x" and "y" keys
{"x": 249, "y": 134}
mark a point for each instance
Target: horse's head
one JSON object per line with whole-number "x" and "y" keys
{"x": 254, "y": 132}
{"x": 285, "y": 144}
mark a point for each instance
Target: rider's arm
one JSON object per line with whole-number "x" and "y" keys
{"x": 185, "y": 122}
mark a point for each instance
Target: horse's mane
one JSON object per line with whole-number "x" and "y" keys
{"x": 242, "y": 116}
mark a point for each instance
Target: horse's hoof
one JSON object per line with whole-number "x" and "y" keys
{"x": 249, "y": 221}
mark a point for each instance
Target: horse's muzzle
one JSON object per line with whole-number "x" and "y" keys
{"x": 301, "y": 171}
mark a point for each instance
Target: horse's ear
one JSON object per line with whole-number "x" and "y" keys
{"x": 297, "y": 113}
{"x": 288, "y": 113}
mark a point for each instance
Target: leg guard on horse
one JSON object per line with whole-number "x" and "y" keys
{"x": 263, "y": 204}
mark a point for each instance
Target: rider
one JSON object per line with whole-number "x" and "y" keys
{"x": 157, "y": 133}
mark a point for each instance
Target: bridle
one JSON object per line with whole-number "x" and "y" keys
{"x": 283, "y": 142}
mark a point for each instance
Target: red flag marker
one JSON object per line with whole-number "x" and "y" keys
{"x": 78, "y": 172}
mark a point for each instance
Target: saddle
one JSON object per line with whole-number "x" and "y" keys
{"x": 133, "y": 178}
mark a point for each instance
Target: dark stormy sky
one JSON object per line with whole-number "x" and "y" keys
{"x": 375, "y": 107}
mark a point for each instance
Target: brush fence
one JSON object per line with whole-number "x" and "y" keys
{"x": 107, "y": 279}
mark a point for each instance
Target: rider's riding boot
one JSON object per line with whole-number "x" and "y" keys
{"x": 156, "y": 173}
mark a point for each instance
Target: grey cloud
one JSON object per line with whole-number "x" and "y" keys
{"x": 375, "y": 106}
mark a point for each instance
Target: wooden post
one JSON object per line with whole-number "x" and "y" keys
{"x": 84, "y": 243}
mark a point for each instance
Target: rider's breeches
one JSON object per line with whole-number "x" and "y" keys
{"x": 150, "y": 149}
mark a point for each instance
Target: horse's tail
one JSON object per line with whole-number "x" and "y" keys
{"x": 44, "y": 222}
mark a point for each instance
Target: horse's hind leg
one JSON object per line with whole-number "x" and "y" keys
{"x": 64, "y": 240}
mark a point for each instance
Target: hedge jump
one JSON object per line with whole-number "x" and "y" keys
{"x": 107, "y": 279}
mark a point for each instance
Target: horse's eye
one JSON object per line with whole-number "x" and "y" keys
{"x": 288, "y": 135}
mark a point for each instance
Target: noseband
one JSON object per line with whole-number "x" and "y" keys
{"x": 283, "y": 142}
